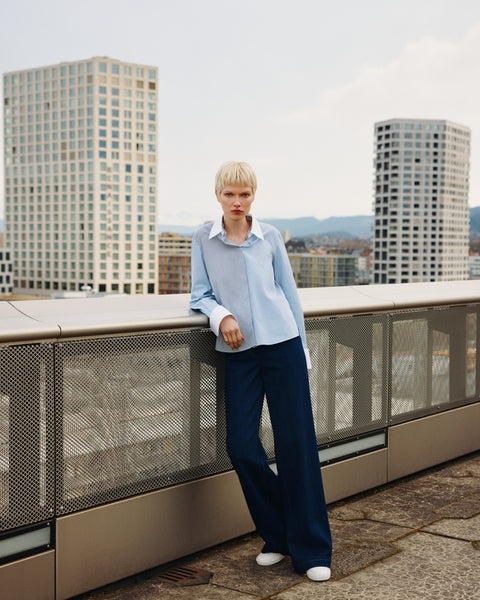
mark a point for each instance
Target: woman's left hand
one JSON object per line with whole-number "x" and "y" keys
{"x": 231, "y": 332}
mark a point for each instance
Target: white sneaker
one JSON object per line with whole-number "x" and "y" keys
{"x": 267, "y": 559}
{"x": 319, "y": 573}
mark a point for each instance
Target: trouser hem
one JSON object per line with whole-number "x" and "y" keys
{"x": 302, "y": 567}
{"x": 269, "y": 548}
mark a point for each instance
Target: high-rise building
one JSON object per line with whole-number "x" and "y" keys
{"x": 80, "y": 176}
{"x": 421, "y": 224}
{"x": 174, "y": 264}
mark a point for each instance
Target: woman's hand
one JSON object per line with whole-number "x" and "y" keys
{"x": 231, "y": 332}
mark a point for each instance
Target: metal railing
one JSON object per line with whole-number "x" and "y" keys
{"x": 104, "y": 399}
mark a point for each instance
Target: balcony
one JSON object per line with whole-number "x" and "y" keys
{"x": 112, "y": 453}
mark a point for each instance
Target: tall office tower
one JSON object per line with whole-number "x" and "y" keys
{"x": 421, "y": 227}
{"x": 80, "y": 176}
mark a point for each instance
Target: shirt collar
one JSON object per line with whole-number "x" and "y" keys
{"x": 217, "y": 228}
{"x": 256, "y": 229}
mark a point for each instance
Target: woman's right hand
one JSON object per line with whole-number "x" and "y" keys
{"x": 231, "y": 332}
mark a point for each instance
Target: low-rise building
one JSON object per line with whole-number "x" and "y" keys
{"x": 174, "y": 264}
{"x": 474, "y": 267}
{"x": 323, "y": 270}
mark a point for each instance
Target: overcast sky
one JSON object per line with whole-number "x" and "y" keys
{"x": 291, "y": 86}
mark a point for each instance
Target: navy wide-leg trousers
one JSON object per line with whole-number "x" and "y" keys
{"x": 288, "y": 509}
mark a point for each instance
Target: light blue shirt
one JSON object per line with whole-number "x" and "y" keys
{"x": 252, "y": 281}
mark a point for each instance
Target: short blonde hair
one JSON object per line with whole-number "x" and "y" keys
{"x": 235, "y": 173}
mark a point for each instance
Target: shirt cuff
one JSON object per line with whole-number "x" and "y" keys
{"x": 307, "y": 358}
{"x": 216, "y": 317}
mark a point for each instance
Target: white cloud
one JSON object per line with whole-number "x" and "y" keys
{"x": 431, "y": 78}
{"x": 317, "y": 158}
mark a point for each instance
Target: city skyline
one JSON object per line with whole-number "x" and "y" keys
{"x": 293, "y": 88}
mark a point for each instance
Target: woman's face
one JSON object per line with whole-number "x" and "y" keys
{"x": 236, "y": 201}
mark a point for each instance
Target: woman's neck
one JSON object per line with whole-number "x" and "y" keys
{"x": 237, "y": 231}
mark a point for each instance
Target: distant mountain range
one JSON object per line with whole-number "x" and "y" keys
{"x": 359, "y": 226}
{"x": 338, "y": 227}
{"x": 346, "y": 227}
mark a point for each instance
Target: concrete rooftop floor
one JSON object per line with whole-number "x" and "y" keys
{"x": 416, "y": 538}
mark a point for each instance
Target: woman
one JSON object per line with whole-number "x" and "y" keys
{"x": 242, "y": 281}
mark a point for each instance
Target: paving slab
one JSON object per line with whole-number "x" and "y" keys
{"x": 357, "y": 556}
{"x": 464, "y": 508}
{"x": 346, "y": 533}
{"x": 428, "y": 566}
{"x": 412, "y": 539}
{"x": 462, "y": 529}
{"x": 412, "y": 503}
{"x": 468, "y": 467}
{"x": 152, "y": 590}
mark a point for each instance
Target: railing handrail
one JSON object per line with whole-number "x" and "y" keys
{"x": 24, "y": 320}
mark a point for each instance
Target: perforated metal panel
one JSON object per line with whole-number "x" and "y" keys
{"x": 87, "y": 422}
{"x": 136, "y": 413}
{"x": 349, "y": 375}
{"x": 434, "y": 360}
{"x": 26, "y": 435}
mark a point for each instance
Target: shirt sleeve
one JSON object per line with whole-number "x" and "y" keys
{"x": 202, "y": 297}
{"x": 284, "y": 278}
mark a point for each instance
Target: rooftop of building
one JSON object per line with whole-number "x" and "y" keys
{"x": 437, "y": 121}
{"x": 80, "y": 60}
{"x": 413, "y": 537}
{"x": 418, "y": 537}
